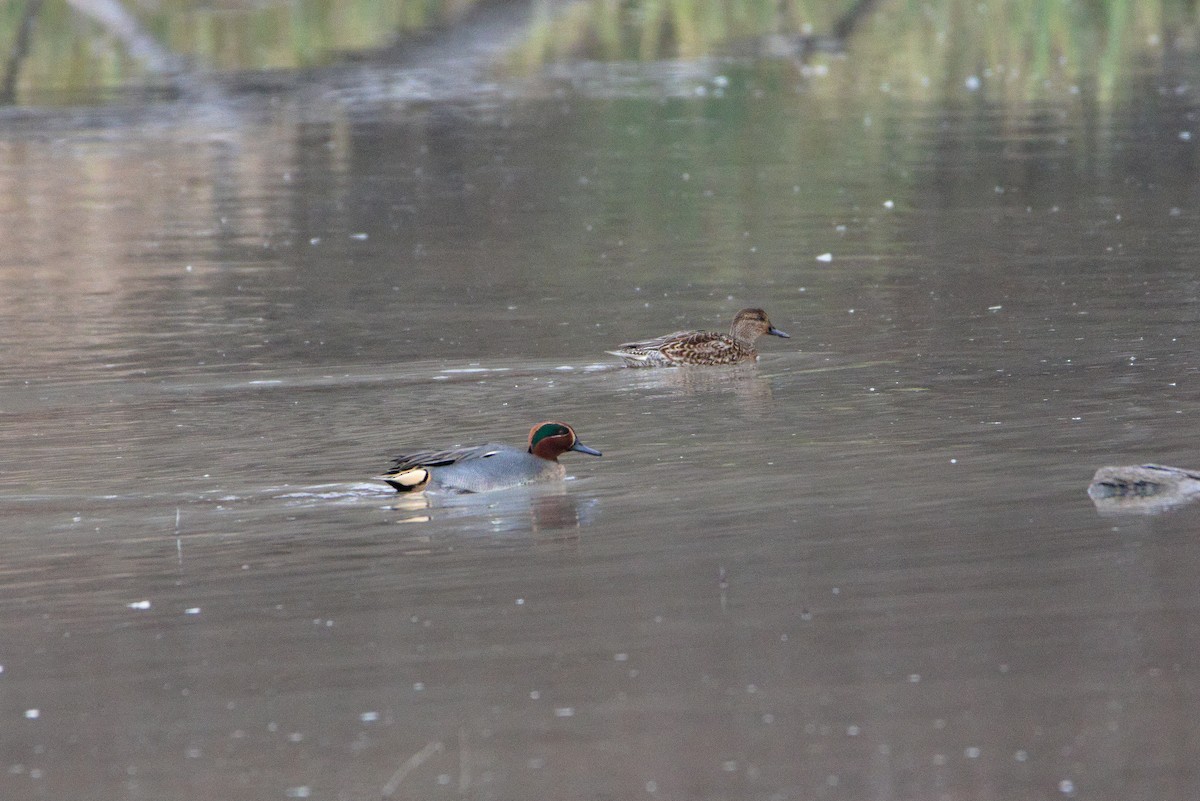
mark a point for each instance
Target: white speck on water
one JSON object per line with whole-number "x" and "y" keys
{"x": 536, "y": 763}
{"x": 721, "y": 81}
{"x": 836, "y": 590}
{"x": 188, "y": 268}
{"x": 852, "y": 730}
{"x": 316, "y": 240}
{"x": 651, "y": 786}
{"x": 620, "y": 657}
{"x": 971, "y": 752}
{"x": 359, "y": 236}
{"x": 825, "y": 257}
{"x": 939, "y": 723}
{"x": 564, "y": 712}
{"x": 1185, "y": 136}
{"x": 32, "y": 714}
{"x": 995, "y": 308}
{"x": 751, "y": 688}
{"x": 443, "y": 778}
{"x": 768, "y": 718}
{"x": 729, "y": 766}
{"x": 520, "y": 602}
{"x": 534, "y": 694}
{"x": 889, "y": 204}
{"x": 296, "y": 737}
{"x": 939, "y": 759}
{"x": 1021, "y": 756}
{"x": 972, "y": 83}
{"x": 832, "y": 780}
{"x": 914, "y": 678}
{"x": 1066, "y": 787}
{"x": 687, "y": 176}
{"x": 369, "y": 717}
{"x": 418, "y": 686}
{"x": 192, "y": 610}
{"x": 954, "y": 461}
{"x": 139, "y": 605}
{"x": 298, "y": 792}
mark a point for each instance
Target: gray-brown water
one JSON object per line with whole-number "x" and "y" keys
{"x": 865, "y": 568}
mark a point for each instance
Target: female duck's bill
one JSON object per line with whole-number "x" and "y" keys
{"x": 482, "y": 468}
{"x": 706, "y": 348}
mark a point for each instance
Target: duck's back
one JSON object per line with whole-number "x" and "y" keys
{"x": 685, "y": 347}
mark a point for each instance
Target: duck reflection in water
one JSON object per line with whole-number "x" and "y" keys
{"x": 544, "y": 507}
{"x": 1143, "y": 489}
{"x": 751, "y": 389}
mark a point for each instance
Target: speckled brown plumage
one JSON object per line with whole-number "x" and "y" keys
{"x": 709, "y": 348}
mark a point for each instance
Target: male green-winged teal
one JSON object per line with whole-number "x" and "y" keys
{"x": 481, "y": 468}
{"x": 702, "y": 347}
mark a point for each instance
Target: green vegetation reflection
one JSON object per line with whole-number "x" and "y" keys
{"x": 82, "y": 44}
{"x": 1029, "y": 47}
{"x": 1019, "y": 48}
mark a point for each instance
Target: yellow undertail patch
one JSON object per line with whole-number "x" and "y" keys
{"x": 410, "y": 480}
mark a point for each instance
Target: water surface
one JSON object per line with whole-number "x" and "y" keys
{"x": 865, "y": 568}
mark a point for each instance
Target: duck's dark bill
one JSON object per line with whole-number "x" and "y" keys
{"x": 579, "y": 446}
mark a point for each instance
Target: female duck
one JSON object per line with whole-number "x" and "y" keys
{"x": 481, "y": 468}
{"x": 702, "y": 347}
